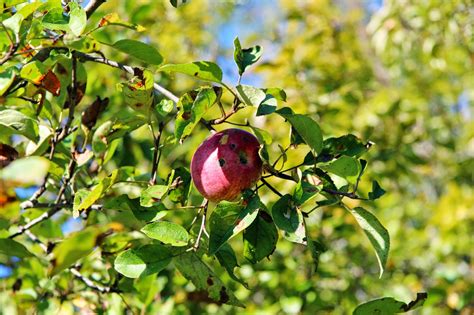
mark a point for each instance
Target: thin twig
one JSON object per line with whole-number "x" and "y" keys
{"x": 156, "y": 153}
{"x": 13, "y": 46}
{"x": 271, "y": 187}
{"x": 344, "y": 194}
{"x": 74, "y": 270}
{"x": 203, "y": 225}
{"x": 128, "y": 69}
{"x": 46, "y": 215}
{"x": 89, "y": 282}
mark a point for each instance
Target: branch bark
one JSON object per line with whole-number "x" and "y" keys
{"x": 92, "y": 6}
{"x": 128, "y": 69}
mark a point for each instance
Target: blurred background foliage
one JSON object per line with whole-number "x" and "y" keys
{"x": 397, "y": 73}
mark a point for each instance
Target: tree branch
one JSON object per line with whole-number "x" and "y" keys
{"x": 344, "y": 194}
{"x": 273, "y": 189}
{"x": 74, "y": 270}
{"x": 128, "y": 69}
{"x": 13, "y": 46}
{"x": 48, "y": 214}
{"x": 92, "y": 6}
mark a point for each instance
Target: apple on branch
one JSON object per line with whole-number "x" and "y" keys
{"x": 225, "y": 164}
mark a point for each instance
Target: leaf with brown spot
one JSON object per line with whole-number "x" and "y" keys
{"x": 50, "y": 83}
{"x": 198, "y": 272}
{"x": 90, "y": 115}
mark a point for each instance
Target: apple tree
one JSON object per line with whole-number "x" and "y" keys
{"x": 96, "y": 136}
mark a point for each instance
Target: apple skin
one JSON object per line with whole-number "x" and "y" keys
{"x": 225, "y": 164}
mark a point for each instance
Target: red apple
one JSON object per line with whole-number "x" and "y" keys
{"x": 225, "y": 164}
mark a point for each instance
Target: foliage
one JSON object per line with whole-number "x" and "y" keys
{"x": 92, "y": 128}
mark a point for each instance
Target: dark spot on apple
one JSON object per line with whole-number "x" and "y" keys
{"x": 221, "y": 162}
{"x": 224, "y": 297}
{"x": 233, "y": 146}
{"x": 243, "y": 158}
{"x": 196, "y": 74}
{"x": 138, "y": 104}
{"x": 209, "y": 281}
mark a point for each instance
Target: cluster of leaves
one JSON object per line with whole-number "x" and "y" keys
{"x": 132, "y": 218}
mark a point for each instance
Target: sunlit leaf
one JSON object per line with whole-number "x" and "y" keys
{"x": 289, "y": 219}
{"x": 245, "y": 57}
{"x": 191, "y": 111}
{"x": 167, "y": 232}
{"x": 198, "y": 272}
{"x": 250, "y": 95}
{"x": 389, "y": 306}
{"x": 306, "y": 127}
{"x": 77, "y": 18}
{"x": 204, "y": 70}
{"x": 229, "y": 219}
{"x": 376, "y": 232}
{"x": 139, "y": 50}
{"x": 143, "y": 261}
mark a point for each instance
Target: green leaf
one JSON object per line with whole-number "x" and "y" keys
{"x": 143, "y": 261}
{"x": 167, "y": 232}
{"x": 14, "y": 22}
{"x": 114, "y": 19}
{"x": 377, "y": 191}
{"x": 226, "y": 257}
{"x": 229, "y": 219}
{"x": 376, "y": 232}
{"x": 389, "y": 306}
{"x": 260, "y": 238}
{"x": 307, "y": 188}
{"x": 204, "y": 70}
{"x": 18, "y": 123}
{"x": 245, "y": 57}
{"x": 191, "y": 111}
{"x": 6, "y": 79}
{"x": 77, "y": 19}
{"x": 176, "y": 3}
{"x": 306, "y": 127}
{"x": 250, "y": 95}
{"x": 11, "y": 248}
{"x": 100, "y": 189}
{"x": 164, "y": 107}
{"x": 316, "y": 248}
{"x": 139, "y": 50}
{"x": 124, "y": 203}
{"x": 153, "y": 195}
{"x": 203, "y": 278}
{"x": 348, "y": 145}
{"x": 277, "y": 93}
{"x": 138, "y": 92}
{"x": 37, "y": 168}
{"x": 267, "y": 106}
{"x": 289, "y": 219}
{"x": 346, "y": 167}
{"x": 34, "y": 72}
{"x": 75, "y": 247}
{"x": 262, "y": 135}
{"x": 179, "y": 185}
{"x": 56, "y": 19}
